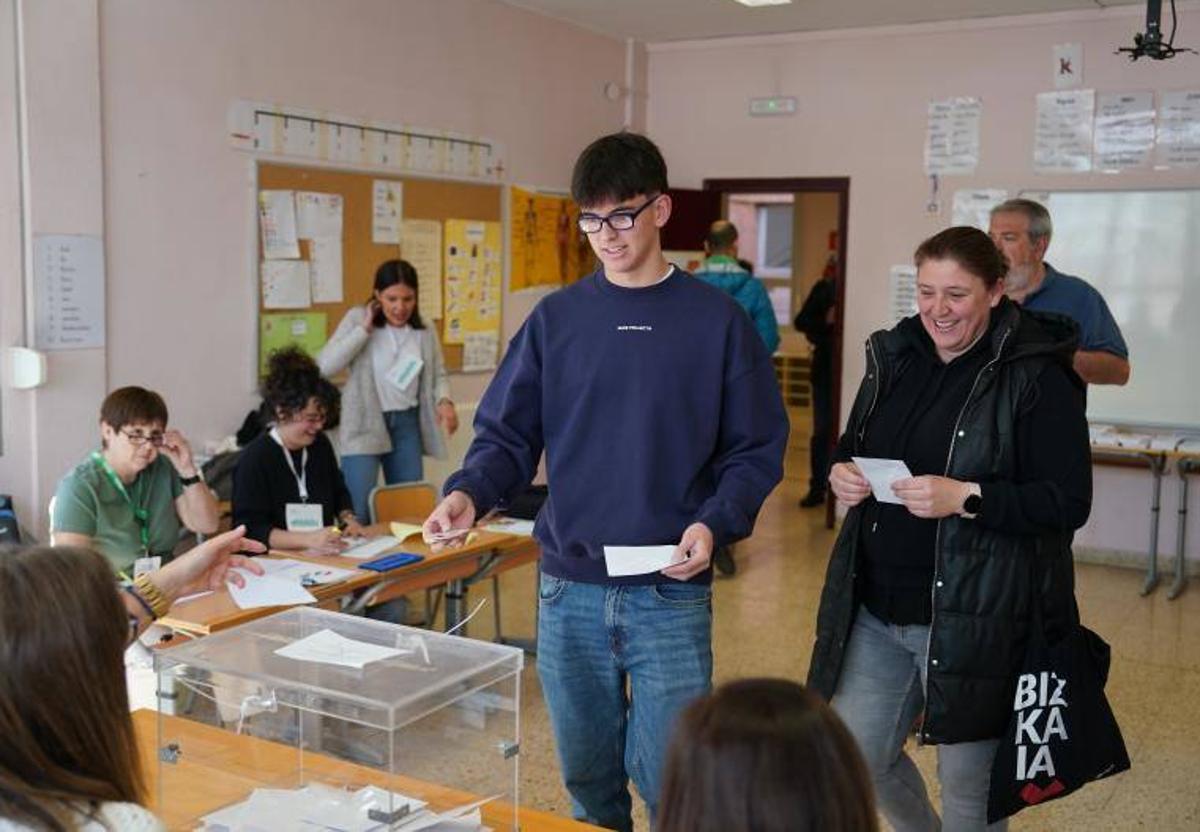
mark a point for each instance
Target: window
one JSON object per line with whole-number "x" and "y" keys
{"x": 775, "y": 240}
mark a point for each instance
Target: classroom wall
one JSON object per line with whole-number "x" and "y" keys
{"x": 862, "y": 98}
{"x": 177, "y": 200}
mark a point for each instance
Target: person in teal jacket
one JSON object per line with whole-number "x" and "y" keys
{"x": 722, "y": 270}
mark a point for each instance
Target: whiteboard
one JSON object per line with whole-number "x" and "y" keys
{"x": 1141, "y": 249}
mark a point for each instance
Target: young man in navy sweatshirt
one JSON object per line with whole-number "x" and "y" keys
{"x": 656, "y": 405}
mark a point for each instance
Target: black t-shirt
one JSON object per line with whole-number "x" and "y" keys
{"x": 263, "y": 485}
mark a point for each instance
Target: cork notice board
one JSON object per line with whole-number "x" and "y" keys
{"x": 425, "y": 199}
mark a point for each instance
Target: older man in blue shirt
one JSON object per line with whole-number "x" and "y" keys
{"x": 1021, "y": 228}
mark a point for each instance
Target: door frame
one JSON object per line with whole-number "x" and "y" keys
{"x": 839, "y": 185}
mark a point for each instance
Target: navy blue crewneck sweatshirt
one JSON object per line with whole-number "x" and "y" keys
{"x": 657, "y": 408}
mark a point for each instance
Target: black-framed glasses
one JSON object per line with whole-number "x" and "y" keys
{"x": 137, "y": 438}
{"x": 620, "y": 220}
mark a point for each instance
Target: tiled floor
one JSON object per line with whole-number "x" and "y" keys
{"x": 764, "y": 620}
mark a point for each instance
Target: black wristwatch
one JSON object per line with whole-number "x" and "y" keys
{"x": 192, "y": 480}
{"x": 971, "y": 505}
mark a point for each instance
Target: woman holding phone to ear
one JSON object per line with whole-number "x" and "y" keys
{"x": 398, "y": 395}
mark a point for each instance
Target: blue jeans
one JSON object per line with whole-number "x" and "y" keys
{"x": 401, "y": 464}
{"x": 617, "y": 665}
{"x": 879, "y": 696}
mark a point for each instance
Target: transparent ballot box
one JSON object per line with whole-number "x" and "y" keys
{"x": 311, "y": 720}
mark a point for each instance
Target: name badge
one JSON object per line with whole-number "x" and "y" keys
{"x": 147, "y": 564}
{"x": 304, "y": 517}
{"x": 405, "y": 370}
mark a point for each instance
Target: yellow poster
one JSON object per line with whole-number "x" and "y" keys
{"x": 544, "y": 240}
{"x": 473, "y": 280}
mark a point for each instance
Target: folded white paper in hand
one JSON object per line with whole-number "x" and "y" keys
{"x": 881, "y": 473}
{"x": 636, "y": 560}
{"x": 269, "y": 591}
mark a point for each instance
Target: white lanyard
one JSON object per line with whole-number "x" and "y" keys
{"x": 302, "y": 476}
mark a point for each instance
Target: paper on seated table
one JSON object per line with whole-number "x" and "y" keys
{"x": 636, "y": 560}
{"x": 371, "y": 548}
{"x": 328, "y": 647}
{"x": 269, "y": 591}
{"x": 304, "y": 572}
{"x": 882, "y": 473}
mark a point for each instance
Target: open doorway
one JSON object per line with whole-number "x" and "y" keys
{"x": 790, "y": 230}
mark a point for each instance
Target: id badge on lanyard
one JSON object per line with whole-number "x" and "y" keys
{"x": 405, "y": 370}
{"x": 302, "y": 516}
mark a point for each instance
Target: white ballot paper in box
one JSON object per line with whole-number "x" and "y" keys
{"x": 881, "y": 473}
{"x": 328, "y": 647}
{"x": 636, "y": 560}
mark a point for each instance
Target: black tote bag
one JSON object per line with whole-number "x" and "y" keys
{"x": 1062, "y": 733}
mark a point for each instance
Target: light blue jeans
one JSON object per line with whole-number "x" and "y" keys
{"x": 617, "y": 665}
{"x": 401, "y": 464}
{"x": 879, "y": 696}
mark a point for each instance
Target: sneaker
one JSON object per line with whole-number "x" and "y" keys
{"x": 812, "y": 499}
{"x": 723, "y": 559}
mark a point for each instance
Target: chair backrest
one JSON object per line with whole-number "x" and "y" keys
{"x": 404, "y": 500}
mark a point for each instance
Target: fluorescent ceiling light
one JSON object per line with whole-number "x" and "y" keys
{"x": 763, "y": 2}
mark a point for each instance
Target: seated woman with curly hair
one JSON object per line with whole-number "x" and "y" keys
{"x": 288, "y": 489}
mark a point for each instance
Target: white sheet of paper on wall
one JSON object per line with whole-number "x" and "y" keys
{"x": 421, "y": 245}
{"x": 902, "y": 292}
{"x": 1068, "y": 65}
{"x": 974, "y": 206}
{"x": 326, "y": 253}
{"x": 1063, "y": 131}
{"x": 1178, "y": 139}
{"x": 318, "y": 215}
{"x": 387, "y": 200}
{"x": 277, "y": 225}
{"x": 952, "y": 136}
{"x": 1124, "y": 135}
{"x": 286, "y": 284}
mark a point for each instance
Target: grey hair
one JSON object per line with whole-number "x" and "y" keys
{"x": 1039, "y": 218}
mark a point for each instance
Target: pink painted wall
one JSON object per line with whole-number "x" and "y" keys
{"x": 175, "y": 203}
{"x": 862, "y": 99}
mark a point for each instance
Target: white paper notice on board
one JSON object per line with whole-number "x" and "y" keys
{"x": 421, "y": 245}
{"x": 1063, "y": 134}
{"x": 1124, "y": 130}
{"x": 386, "y": 210}
{"x": 318, "y": 215}
{"x": 1068, "y": 66}
{"x": 286, "y": 284}
{"x": 479, "y": 351}
{"x": 974, "y": 206}
{"x": 952, "y": 136}
{"x": 326, "y": 253}
{"x": 902, "y": 292}
{"x": 68, "y": 272}
{"x": 1178, "y": 142}
{"x": 277, "y": 224}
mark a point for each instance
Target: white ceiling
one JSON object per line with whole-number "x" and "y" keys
{"x": 653, "y": 21}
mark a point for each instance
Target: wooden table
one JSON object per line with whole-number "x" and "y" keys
{"x": 217, "y": 767}
{"x": 455, "y": 568}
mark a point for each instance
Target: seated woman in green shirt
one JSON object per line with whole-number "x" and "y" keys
{"x": 129, "y": 499}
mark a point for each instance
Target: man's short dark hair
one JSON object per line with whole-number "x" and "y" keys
{"x": 131, "y": 406}
{"x": 618, "y": 167}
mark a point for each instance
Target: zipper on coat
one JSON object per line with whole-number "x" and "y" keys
{"x": 937, "y": 541}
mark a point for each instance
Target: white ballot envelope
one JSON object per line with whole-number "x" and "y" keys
{"x": 636, "y": 560}
{"x": 881, "y": 473}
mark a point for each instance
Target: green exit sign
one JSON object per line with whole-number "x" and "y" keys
{"x": 780, "y": 105}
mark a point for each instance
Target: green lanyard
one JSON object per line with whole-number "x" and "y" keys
{"x": 140, "y": 514}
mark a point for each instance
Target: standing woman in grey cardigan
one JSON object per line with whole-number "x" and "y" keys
{"x": 397, "y": 395}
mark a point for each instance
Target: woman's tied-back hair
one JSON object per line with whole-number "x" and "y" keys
{"x": 618, "y": 167}
{"x": 292, "y": 379}
{"x": 764, "y": 755}
{"x": 390, "y": 273}
{"x": 67, "y": 736}
{"x": 970, "y": 248}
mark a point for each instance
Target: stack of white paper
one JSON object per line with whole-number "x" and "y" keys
{"x": 312, "y": 807}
